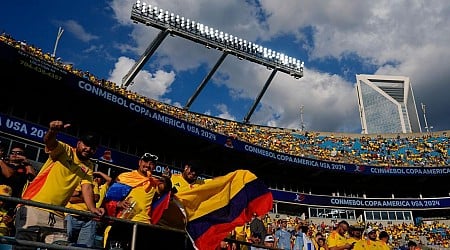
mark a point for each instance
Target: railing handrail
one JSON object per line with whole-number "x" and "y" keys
{"x": 83, "y": 213}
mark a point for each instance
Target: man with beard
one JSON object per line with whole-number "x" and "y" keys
{"x": 55, "y": 183}
{"x": 337, "y": 240}
{"x": 136, "y": 205}
{"x": 371, "y": 243}
{"x": 188, "y": 179}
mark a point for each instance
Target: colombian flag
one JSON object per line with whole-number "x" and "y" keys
{"x": 215, "y": 208}
{"x": 159, "y": 206}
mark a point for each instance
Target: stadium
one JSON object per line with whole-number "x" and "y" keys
{"x": 323, "y": 176}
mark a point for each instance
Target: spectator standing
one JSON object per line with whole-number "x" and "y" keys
{"x": 188, "y": 179}
{"x": 355, "y": 233}
{"x": 371, "y": 243}
{"x": 17, "y": 170}
{"x": 103, "y": 182}
{"x": 384, "y": 240}
{"x": 337, "y": 240}
{"x": 55, "y": 183}
{"x": 80, "y": 229}
{"x": 136, "y": 206}
{"x": 283, "y": 237}
{"x": 308, "y": 241}
{"x": 257, "y": 227}
{"x": 299, "y": 237}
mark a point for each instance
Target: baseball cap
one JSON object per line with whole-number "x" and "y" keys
{"x": 369, "y": 230}
{"x": 90, "y": 140}
{"x": 149, "y": 157}
{"x": 269, "y": 238}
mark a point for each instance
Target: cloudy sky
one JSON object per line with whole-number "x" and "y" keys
{"x": 336, "y": 39}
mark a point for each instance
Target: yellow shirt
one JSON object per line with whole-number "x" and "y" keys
{"x": 59, "y": 177}
{"x": 384, "y": 246}
{"x": 367, "y": 245}
{"x": 142, "y": 192}
{"x": 81, "y": 205}
{"x": 335, "y": 239}
{"x": 103, "y": 189}
{"x": 352, "y": 240}
{"x": 5, "y": 230}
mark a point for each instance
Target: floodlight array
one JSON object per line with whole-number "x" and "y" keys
{"x": 213, "y": 38}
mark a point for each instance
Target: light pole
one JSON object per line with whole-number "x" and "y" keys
{"x": 60, "y": 31}
{"x": 302, "y": 123}
{"x": 428, "y": 129}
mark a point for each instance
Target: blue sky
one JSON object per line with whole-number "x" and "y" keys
{"x": 335, "y": 39}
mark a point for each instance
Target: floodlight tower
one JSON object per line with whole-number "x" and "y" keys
{"x": 170, "y": 23}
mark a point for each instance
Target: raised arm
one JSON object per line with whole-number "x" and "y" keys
{"x": 50, "y": 137}
{"x": 7, "y": 171}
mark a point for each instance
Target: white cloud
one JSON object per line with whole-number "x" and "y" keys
{"x": 151, "y": 85}
{"x": 225, "y": 114}
{"x": 78, "y": 31}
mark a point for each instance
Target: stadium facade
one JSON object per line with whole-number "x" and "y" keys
{"x": 386, "y": 104}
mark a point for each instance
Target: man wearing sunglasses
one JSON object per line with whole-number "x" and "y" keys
{"x": 17, "y": 170}
{"x": 137, "y": 204}
{"x": 371, "y": 243}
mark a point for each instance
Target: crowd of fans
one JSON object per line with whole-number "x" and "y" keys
{"x": 386, "y": 150}
{"x": 427, "y": 235}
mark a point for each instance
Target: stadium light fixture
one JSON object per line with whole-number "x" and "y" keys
{"x": 209, "y": 36}
{"x": 173, "y": 24}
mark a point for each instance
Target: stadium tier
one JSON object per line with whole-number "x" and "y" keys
{"x": 311, "y": 169}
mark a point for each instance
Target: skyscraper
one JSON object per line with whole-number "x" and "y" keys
{"x": 386, "y": 104}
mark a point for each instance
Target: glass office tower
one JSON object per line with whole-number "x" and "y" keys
{"x": 386, "y": 104}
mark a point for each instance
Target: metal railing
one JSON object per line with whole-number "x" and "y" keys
{"x": 105, "y": 218}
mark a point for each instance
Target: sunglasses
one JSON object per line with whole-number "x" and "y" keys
{"x": 17, "y": 152}
{"x": 149, "y": 157}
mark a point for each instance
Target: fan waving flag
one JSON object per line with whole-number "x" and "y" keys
{"x": 215, "y": 208}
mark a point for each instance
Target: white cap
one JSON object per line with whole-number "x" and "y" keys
{"x": 269, "y": 238}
